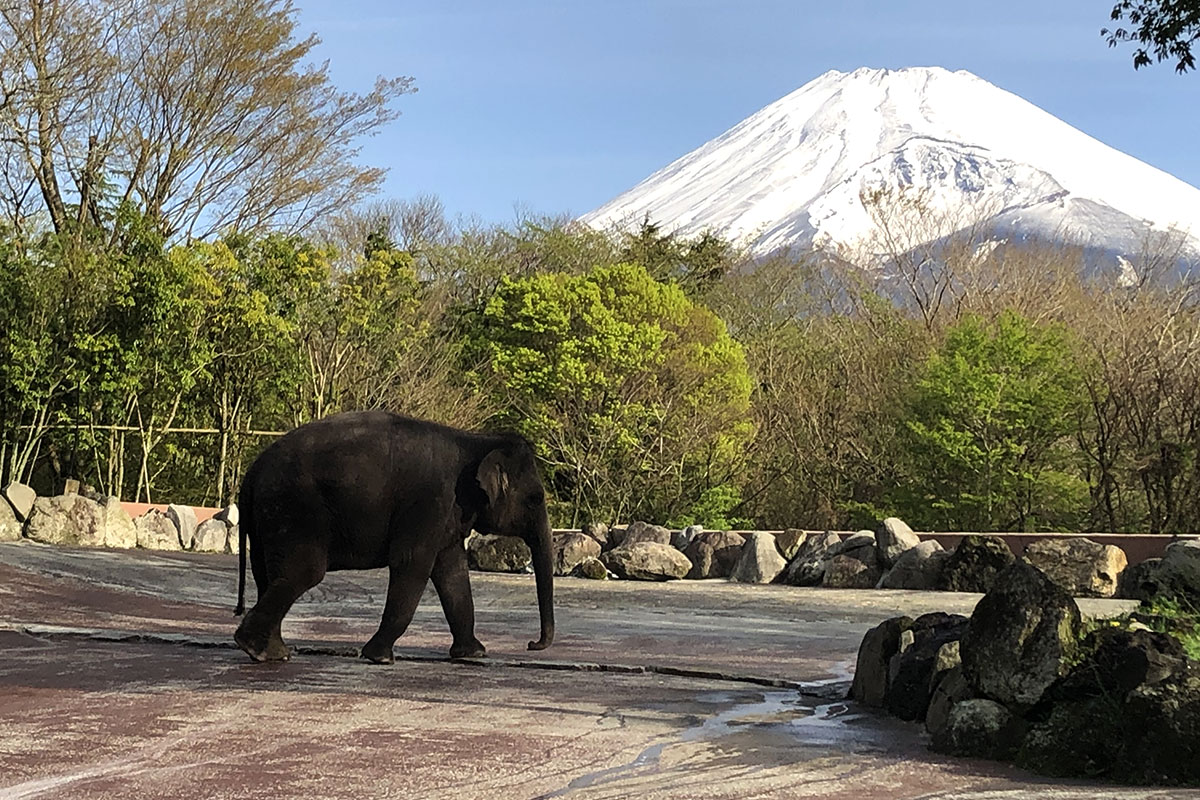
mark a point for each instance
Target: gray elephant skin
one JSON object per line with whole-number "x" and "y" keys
{"x": 366, "y": 490}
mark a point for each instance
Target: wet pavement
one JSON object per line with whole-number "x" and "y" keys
{"x": 119, "y": 679}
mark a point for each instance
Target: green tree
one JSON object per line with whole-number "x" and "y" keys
{"x": 990, "y": 425}
{"x": 636, "y": 397}
{"x": 1165, "y": 30}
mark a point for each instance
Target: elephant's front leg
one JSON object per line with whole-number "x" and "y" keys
{"x": 452, "y": 580}
{"x": 406, "y": 582}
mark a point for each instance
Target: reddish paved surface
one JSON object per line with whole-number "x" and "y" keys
{"x": 84, "y": 714}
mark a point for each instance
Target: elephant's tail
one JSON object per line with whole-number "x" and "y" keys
{"x": 246, "y": 520}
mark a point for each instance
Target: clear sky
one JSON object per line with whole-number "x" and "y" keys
{"x": 556, "y": 106}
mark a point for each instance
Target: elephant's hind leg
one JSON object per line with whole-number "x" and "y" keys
{"x": 452, "y": 579}
{"x": 259, "y": 634}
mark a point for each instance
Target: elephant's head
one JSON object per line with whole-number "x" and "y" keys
{"x": 516, "y": 506}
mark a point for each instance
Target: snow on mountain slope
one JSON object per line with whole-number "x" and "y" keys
{"x": 793, "y": 173}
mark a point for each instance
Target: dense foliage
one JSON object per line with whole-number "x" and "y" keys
{"x": 797, "y": 391}
{"x": 180, "y": 281}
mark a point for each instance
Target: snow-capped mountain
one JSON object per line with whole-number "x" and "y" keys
{"x": 794, "y": 173}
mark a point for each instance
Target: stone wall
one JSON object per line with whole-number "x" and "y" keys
{"x": 890, "y": 557}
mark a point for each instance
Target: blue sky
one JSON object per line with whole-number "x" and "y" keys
{"x": 544, "y": 107}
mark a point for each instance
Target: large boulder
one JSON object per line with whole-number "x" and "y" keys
{"x": 184, "y": 518}
{"x": 119, "y": 530}
{"x": 760, "y": 561}
{"x": 1179, "y": 572}
{"x": 1130, "y": 712}
{"x": 714, "y": 554}
{"x": 681, "y": 539}
{"x": 212, "y": 536}
{"x": 881, "y": 643}
{"x": 10, "y": 527}
{"x": 856, "y": 546}
{"x": 1021, "y": 637}
{"x": 233, "y": 544}
{"x": 848, "y": 572}
{"x": 930, "y": 646}
{"x": 1142, "y": 581}
{"x": 155, "y": 531}
{"x": 69, "y": 519}
{"x": 498, "y": 553}
{"x": 591, "y": 568}
{"x": 1083, "y": 568}
{"x": 975, "y": 563}
{"x": 645, "y": 532}
{"x": 21, "y": 498}
{"x": 789, "y": 541}
{"x": 808, "y": 565}
{"x": 597, "y": 531}
{"x": 572, "y": 549}
{"x": 1119, "y": 661}
{"x": 647, "y": 561}
{"x": 979, "y": 729}
{"x": 917, "y": 568}
{"x": 229, "y": 515}
{"x": 893, "y": 539}
{"x": 951, "y": 689}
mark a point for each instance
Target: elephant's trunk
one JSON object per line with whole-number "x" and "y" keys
{"x": 543, "y": 570}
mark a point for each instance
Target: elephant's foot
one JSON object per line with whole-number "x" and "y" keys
{"x": 469, "y": 649}
{"x": 260, "y": 647}
{"x": 378, "y": 652}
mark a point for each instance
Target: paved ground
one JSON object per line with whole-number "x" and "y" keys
{"x": 118, "y": 679}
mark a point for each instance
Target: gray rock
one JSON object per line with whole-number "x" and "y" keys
{"x": 498, "y": 553}
{"x": 918, "y": 568}
{"x": 975, "y": 563}
{"x": 760, "y": 561}
{"x": 893, "y": 539}
{"x": 10, "y": 527}
{"x": 1180, "y": 568}
{"x": 911, "y": 671}
{"x": 212, "y": 536}
{"x": 788, "y": 542}
{"x": 645, "y": 532}
{"x": 572, "y": 549}
{"x": 21, "y": 498}
{"x": 807, "y": 567}
{"x": 68, "y": 519}
{"x": 1083, "y": 568}
{"x": 1020, "y": 638}
{"x": 119, "y": 530}
{"x": 1141, "y": 581}
{"x": 647, "y": 561}
{"x": 597, "y": 531}
{"x": 875, "y": 654}
{"x": 714, "y": 554}
{"x": 858, "y": 541}
{"x": 979, "y": 729}
{"x": 848, "y": 572}
{"x": 229, "y": 515}
{"x": 681, "y": 539}
{"x": 591, "y": 568}
{"x": 184, "y": 518}
{"x": 156, "y": 532}
{"x": 233, "y": 544}
{"x": 951, "y": 688}
{"x": 703, "y": 558}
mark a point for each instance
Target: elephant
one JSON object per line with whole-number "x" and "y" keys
{"x": 373, "y": 489}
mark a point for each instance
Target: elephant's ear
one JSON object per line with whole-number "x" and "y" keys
{"x": 492, "y": 477}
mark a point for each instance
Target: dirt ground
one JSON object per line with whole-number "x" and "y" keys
{"x": 119, "y": 679}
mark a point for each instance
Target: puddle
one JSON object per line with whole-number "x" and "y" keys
{"x": 784, "y": 720}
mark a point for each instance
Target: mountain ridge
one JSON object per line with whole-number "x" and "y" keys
{"x": 793, "y": 173}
